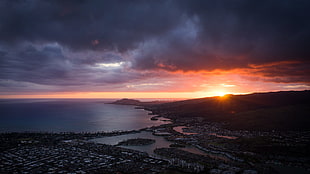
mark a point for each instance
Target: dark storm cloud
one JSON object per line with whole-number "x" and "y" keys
{"x": 51, "y": 65}
{"x": 35, "y": 65}
{"x": 283, "y": 72}
{"x": 150, "y": 35}
{"x": 86, "y": 24}
{"x": 233, "y": 34}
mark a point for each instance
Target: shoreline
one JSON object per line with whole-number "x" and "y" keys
{"x": 103, "y": 133}
{"x": 209, "y": 137}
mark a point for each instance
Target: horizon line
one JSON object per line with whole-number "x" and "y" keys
{"x": 130, "y": 95}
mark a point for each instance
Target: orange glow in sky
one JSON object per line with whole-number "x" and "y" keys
{"x": 85, "y": 95}
{"x": 177, "y": 85}
{"x": 184, "y": 57}
{"x": 116, "y": 95}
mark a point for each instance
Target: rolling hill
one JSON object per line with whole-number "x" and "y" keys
{"x": 285, "y": 110}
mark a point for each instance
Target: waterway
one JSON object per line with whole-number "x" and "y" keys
{"x": 160, "y": 142}
{"x": 180, "y": 129}
{"x": 114, "y": 140}
{"x": 223, "y": 136}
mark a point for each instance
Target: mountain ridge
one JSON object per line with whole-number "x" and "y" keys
{"x": 283, "y": 110}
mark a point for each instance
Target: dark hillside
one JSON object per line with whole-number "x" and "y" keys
{"x": 126, "y": 101}
{"x": 274, "y": 110}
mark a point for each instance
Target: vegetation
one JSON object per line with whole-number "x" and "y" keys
{"x": 261, "y": 111}
{"x": 136, "y": 142}
{"x": 126, "y": 101}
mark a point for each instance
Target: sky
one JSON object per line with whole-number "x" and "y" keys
{"x": 152, "y": 48}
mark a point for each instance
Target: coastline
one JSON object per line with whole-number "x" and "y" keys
{"x": 222, "y": 152}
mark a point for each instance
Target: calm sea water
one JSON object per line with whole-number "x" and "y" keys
{"x": 70, "y": 116}
{"x": 160, "y": 142}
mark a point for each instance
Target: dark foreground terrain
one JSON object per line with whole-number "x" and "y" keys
{"x": 246, "y": 134}
{"x": 286, "y": 110}
{"x": 70, "y": 153}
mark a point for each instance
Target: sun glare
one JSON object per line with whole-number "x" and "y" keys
{"x": 220, "y": 93}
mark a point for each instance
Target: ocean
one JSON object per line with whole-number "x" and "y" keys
{"x": 70, "y": 115}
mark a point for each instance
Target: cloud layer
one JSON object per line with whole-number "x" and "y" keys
{"x": 121, "y": 45}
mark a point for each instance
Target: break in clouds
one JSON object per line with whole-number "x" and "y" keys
{"x": 106, "y": 45}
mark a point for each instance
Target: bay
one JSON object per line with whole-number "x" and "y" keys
{"x": 75, "y": 115}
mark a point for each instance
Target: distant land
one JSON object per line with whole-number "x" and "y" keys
{"x": 127, "y": 101}
{"x": 284, "y": 110}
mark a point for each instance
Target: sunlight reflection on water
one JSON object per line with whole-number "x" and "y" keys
{"x": 71, "y": 116}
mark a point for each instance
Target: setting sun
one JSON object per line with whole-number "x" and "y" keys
{"x": 219, "y": 93}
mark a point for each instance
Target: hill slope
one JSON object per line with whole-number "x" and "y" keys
{"x": 286, "y": 110}
{"x": 126, "y": 101}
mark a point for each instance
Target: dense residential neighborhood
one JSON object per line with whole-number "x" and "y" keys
{"x": 223, "y": 150}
